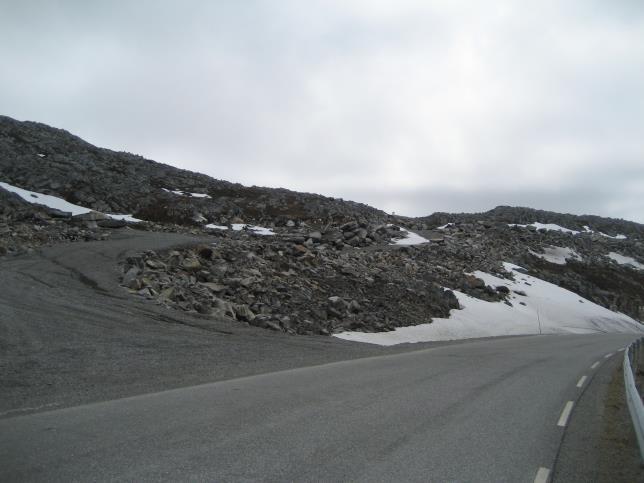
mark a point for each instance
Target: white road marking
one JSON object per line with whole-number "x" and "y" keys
{"x": 542, "y": 475}
{"x": 594, "y": 366}
{"x": 581, "y": 381}
{"x": 608, "y": 355}
{"x": 563, "y": 420}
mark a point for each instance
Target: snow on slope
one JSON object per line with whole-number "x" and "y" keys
{"x": 624, "y": 260}
{"x": 547, "y": 226}
{"x": 411, "y": 238}
{"x": 186, "y": 193}
{"x": 548, "y": 307}
{"x": 58, "y": 203}
{"x": 553, "y": 227}
{"x": 558, "y": 255}
{"x": 616, "y": 237}
{"x": 257, "y": 230}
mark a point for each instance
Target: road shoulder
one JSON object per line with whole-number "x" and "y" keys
{"x": 599, "y": 444}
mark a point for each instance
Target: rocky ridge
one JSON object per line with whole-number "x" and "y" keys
{"x": 52, "y": 161}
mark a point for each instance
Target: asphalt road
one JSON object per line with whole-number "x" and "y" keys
{"x": 491, "y": 410}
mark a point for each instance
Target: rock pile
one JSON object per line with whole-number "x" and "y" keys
{"x": 284, "y": 283}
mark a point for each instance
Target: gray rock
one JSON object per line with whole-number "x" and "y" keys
{"x": 110, "y": 223}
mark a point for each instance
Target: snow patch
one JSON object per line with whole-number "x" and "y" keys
{"x": 548, "y": 309}
{"x": 257, "y": 230}
{"x": 445, "y": 226}
{"x": 553, "y": 227}
{"x": 128, "y": 218}
{"x": 624, "y": 260}
{"x": 547, "y": 226}
{"x": 186, "y": 193}
{"x": 410, "y": 238}
{"x": 616, "y": 237}
{"x": 212, "y": 226}
{"x": 58, "y": 203}
{"x": 558, "y": 255}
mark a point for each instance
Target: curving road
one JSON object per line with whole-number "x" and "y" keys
{"x": 492, "y": 410}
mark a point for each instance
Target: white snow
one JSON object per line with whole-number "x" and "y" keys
{"x": 558, "y": 255}
{"x": 186, "y": 193}
{"x": 129, "y": 218}
{"x": 547, "y": 226}
{"x": 411, "y": 238}
{"x": 554, "y": 309}
{"x": 616, "y": 237}
{"x": 260, "y": 230}
{"x": 553, "y": 227}
{"x": 41, "y": 155}
{"x": 624, "y": 260}
{"x": 212, "y": 226}
{"x": 47, "y": 200}
{"x": 444, "y": 226}
{"x": 257, "y": 230}
{"x": 58, "y": 203}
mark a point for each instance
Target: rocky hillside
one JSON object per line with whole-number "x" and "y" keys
{"x": 521, "y": 215}
{"x": 315, "y": 265}
{"x": 37, "y": 157}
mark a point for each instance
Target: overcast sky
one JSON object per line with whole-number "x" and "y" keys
{"x": 410, "y": 106}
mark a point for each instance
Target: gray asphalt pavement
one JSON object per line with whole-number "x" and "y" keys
{"x": 489, "y": 410}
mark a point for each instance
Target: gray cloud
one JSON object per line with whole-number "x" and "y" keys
{"x": 412, "y": 106}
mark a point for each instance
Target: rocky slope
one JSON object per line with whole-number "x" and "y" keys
{"x": 330, "y": 265}
{"x": 52, "y": 161}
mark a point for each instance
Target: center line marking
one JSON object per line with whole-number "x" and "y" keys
{"x": 594, "y": 365}
{"x": 581, "y": 381}
{"x": 608, "y": 355}
{"x": 542, "y": 475}
{"x": 563, "y": 420}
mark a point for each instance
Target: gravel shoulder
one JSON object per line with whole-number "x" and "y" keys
{"x": 69, "y": 334}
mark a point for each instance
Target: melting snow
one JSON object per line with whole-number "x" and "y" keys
{"x": 129, "y": 218}
{"x": 216, "y": 227}
{"x": 616, "y": 237}
{"x": 554, "y": 309}
{"x": 257, "y": 230}
{"x": 558, "y": 255}
{"x": 411, "y": 238}
{"x": 624, "y": 260}
{"x": 547, "y": 226}
{"x": 553, "y": 227}
{"x": 444, "y": 226}
{"x": 186, "y": 193}
{"x": 58, "y": 203}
